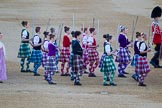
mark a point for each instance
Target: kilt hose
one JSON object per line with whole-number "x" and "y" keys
{"x": 64, "y": 57}
{"x": 24, "y": 53}
{"x": 123, "y": 59}
{"x": 51, "y": 67}
{"x": 107, "y": 67}
{"x": 142, "y": 68}
{"x": 93, "y": 58}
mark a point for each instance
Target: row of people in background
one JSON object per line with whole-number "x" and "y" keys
{"x": 84, "y": 53}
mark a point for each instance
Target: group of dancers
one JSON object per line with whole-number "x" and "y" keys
{"x": 83, "y": 54}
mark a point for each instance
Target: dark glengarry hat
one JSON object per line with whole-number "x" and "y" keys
{"x": 156, "y": 12}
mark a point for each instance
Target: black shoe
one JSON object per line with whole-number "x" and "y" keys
{"x": 105, "y": 84}
{"x": 62, "y": 74}
{"x": 122, "y": 76}
{"x": 51, "y": 83}
{"x": 159, "y": 66}
{"x": 67, "y": 74}
{"x": 141, "y": 84}
{"x": 29, "y": 71}
{"x": 1, "y": 81}
{"x": 125, "y": 72}
{"x": 91, "y": 75}
{"x": 153, "y": 64}
{"x": 23, "y": 71}
{"x": 37, "y": 74}
{"x": 57, "y": 72}
{"x": 112, "y": 84}
{"x": 85, "y": 72}
{"x": 77, "y": 83}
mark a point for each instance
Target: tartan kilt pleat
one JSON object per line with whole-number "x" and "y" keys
{"x": 71, "y": 59}
{"x": 108, "y": 64}
{"x": 93, "y": 55}
{"x": 64, "y": 55}
{"x": 134, "y": 60}
{"x": 36, "y": 56}
{"x": 78, "y": 64}
{"x": 85, "y": 54}
{"x": 101, "y": 61}
{"x": 51, "y": 64}
{"x": 142, "y": 66}
{"x": 124, "y": 55}
{"x": 24, "y": 51}
{"x": 44, "y": 58}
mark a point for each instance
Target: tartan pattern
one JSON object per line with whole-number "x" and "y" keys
{"x": 24, "y": 51}
{"x": 44, "y": 58}
{"x": 78, "y": 64}
{"x": 124, "y": 55}
{"x": 51, "y": 64}
{"x": 108, "y": 64}
{"x": 93, "y": 55}
{"x": 36, "y": 56}
{"x": 134, "y": 60}
{"x": 64, "y": 55}
{"x": 85, "y": 57}
{"x": 142, "y": 66}
{"x": 71, "y": 59}
{"x": 101, "y": 61}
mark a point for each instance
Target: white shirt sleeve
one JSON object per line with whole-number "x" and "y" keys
{"x": 36, "y": 40}
{"x": 24, "y": 34}
{"x": 90, "y": 41}
{"x": 142, "y": 47}
{"x": 107, "y": 49}
{"x": 84, "y": 40}
{"x": 45, "y": 45}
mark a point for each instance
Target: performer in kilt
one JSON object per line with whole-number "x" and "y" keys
{"x": 77, "y": 64}
{"x": 24, "y": 49}
{"x": 51, "y": 66}
{"x": 36, "y": 55}
{"x": 3, "y": 73}
{"x": 55, "y": 43}
{"x": 157, "y": 35}
{"x": 142, "y": 67}
{"x": 65, "y": 52}
{"x": 45, "y": 52}
{"x": 85, "y": 48}
{"x": 72, "y": 55}
{"x": 124, "y": 54}
{"x": 106, "y": 63}
{"x": 93, "y": 55}
{"x": 136, "y": 54}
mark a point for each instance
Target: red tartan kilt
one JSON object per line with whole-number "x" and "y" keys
{"x": 85, "y": 54}
{"x": 142, "y": 66}
{"x": 64, "y": 55}
{"x": 93, "y": 55}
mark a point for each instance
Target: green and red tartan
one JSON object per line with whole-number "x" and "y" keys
{"x": 24, "y": 51}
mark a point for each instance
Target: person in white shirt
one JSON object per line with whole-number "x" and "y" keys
{"x": 24, "y": 49}
{"x": 36, "y": 56}
{"x": 85, "y": 48}
{"x": 93, "y": 55}
{"x": 142, "y": 67}
{"x": 3, "y": 74}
